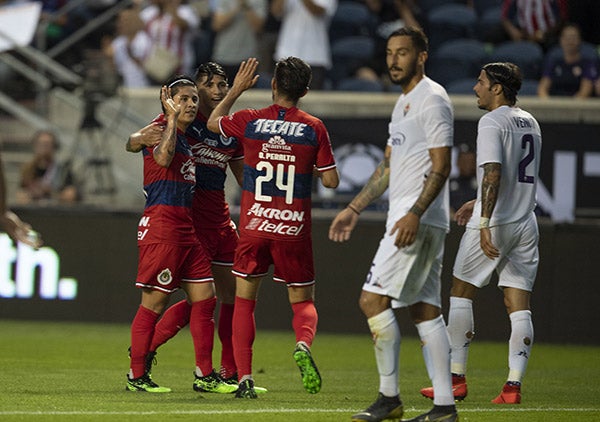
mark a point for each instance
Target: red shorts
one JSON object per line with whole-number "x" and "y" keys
{"x": 292, "y": 260}
{"x": 164, "y": 267}
{"x": 219, "y": 244}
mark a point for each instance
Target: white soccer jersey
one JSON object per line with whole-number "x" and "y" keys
{"x": 422, "y": 119}
{"x": 512, "y": 137}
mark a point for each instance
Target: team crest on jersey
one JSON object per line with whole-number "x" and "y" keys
{"x": 406, "y": 109}
{"x": 164, "y": 277}
{"x": 226, "y": 141}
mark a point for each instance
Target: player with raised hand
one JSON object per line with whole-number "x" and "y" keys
{"x": 170, "y": 255}
{"x": 283, "y": 145}
{"x": 213, "y": 154}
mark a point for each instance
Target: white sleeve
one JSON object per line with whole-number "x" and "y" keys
{"x": 489, "y": 142}
{"x": 438, "y": 122}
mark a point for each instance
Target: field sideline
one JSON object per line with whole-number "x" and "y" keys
{"x": 76, "y": 372}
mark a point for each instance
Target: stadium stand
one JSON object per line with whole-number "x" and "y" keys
{"x": 351, "y": 18}
{"x": 525, "y": 54}
{"x": 456, "y": 59}
{"x": 359, "y": 85}
{"x": 450, "y": 21}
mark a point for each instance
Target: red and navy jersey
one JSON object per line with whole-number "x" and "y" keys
{"x": 169, "y": 191}
{"x": 282, "y": 146}
{"x": 212, "y": 152}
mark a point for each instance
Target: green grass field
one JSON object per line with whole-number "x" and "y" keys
{"x": 76, "y": 372}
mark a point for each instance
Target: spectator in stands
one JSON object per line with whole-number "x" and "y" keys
{"x": 463, "y": 186}
{"x": 236, "y": 24}
{"x": 304, "y": 33}
{"x": 171, "y": 25}
{"x": 533, "y": 20}
{"x": 16, "y": 229}
{"x": 267, "y": 40}
{"x": 43, "y": 178}
{"x": 569, "y": 74}
{"x": 390, "y": 15}
{"x": 129, "y": 49}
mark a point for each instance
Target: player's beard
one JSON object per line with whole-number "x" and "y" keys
{"x": 409, "y": 73}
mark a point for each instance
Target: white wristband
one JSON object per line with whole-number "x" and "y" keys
{"x": 484, "y": 222}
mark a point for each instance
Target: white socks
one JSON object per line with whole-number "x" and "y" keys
{"x": 436, "y": 352}
{"x": 461, "y": 331}
{"x": 519, "y": 345}
{"x": 386, "y": 336}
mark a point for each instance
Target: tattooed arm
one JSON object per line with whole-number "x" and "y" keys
{"x": 490, "y": 184}
{"x": 343, "y": 224}
{"x": 406, "y": 228}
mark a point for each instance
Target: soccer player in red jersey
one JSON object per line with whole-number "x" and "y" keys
{"x": 284, "y": 148}
{"x": 170, "y": 255}
{"x": 211, "y": 217}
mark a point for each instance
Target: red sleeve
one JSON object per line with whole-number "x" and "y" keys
{"x": 325, "y": 159}
{"x": 234, "y": 125}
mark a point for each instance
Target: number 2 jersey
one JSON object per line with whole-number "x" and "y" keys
{"x": 282, "y": 146}
{"x": 512, "y": 137}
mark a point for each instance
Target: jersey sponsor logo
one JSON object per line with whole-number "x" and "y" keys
{"x": 406, "y": 109}
{"x": 279, "y": 127}
{"x": 276, "y": 214}
{"x": 188, "y": 170}
{"x": 164, "y": 277}
{"x": 267, "y": 226}
{"x": 142, "y": 231}
{"x": 204, "y": 155}
{"x": 276, "y": 149}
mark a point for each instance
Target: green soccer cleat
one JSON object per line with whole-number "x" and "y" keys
{"x": 311, "y": 379}
{"x": 246, "y": 390}
{"x": 145, "y": 383}
{"x": 213, "y": 383}
{"x": 233, "y": 380}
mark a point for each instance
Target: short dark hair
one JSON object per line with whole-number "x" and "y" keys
{"x": 293, "y": 76}
{"x": 176, "y": 82}
{"x": 508, "y": 75}
{"x": 417, "y": 36}
{"x": 209, "y": 69}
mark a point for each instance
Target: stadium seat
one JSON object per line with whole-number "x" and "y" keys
{"x": 529, "y": 87}
{"x": 359, "y": 85}
{"x": 482, "y": 6}
{"x": 489, "y": 24}
{"x": 351, "y": 18}
{"x": 264, "y": 82}
{"x": 428, "y": 5}
{"x": 525, "y": 54}
{"x": 456, "y": 59}
{"x": 348, "y": 54}
{"x": 462, "y": 86}
{"x": 450, "y": 21}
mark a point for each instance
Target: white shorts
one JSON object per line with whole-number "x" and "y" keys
{"x": 518, "y": 261}
{"x": 411, "y": 274}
